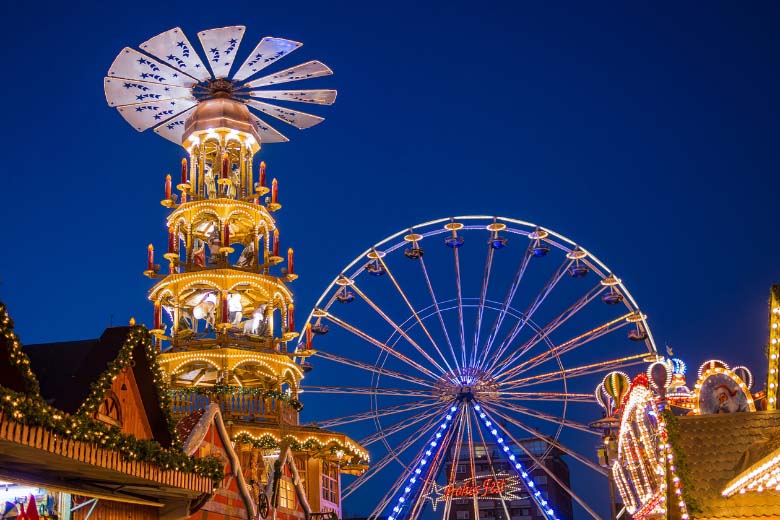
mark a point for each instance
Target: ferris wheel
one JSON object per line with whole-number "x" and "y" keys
{"x": 463, "y": 352}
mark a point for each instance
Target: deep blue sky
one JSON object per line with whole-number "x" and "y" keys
{"x": 646, "y": 132}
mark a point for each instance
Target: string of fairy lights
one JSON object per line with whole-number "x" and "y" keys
{"x": 645, "y": 457}
{"x": 773, "y": 349}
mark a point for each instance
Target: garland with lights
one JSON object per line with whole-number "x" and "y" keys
{"x": 221, "y": 389}
{"x": 267, "y": 442}
{"x": 673, "y": 439}
{"x": 11, "y": 352}
{"x": 31, "y": 409}
{"x": 139, "y": 336}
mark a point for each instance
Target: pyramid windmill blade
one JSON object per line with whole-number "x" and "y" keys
{"x": 145, "y": 115}
{"x": 175, "y": 49}
{"x": 221, "y": 45}
{"x": 267, "y": 133}
{"x": 267, "y": 52}
{"x": 128, "y": 92}
{"x": 320, "y": 97}
{"x": 173, "y": 129}
{"x": 131, "y": 64}
{"x": 296, "y": 118}
{"x": 310, "y": 69}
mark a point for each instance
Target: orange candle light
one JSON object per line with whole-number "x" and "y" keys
{"x": 274, "y": 191}
{"x": 290, "y": 318}
{"x": 308, "y": 336}
{"x": 184, "y": 171}
{"x": 290, "y": 265}
{"x": 262, "y": 173}
{"x": 150, "y": 257}
{"x": 157, "y": 316}
{"x": 276, "y": 242}
{"x": 167, "y": 187}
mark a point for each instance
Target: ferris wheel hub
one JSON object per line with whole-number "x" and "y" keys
{"x": 467, "y": 384}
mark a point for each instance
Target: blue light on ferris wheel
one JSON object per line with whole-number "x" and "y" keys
{"x": 536, "y": 494}
{"x": 398, "y": 509}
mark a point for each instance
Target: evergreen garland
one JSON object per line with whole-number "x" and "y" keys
{"x": 16, "y": 356}
{"x": 268, "y": 442}
{"x": 673, "y": 437}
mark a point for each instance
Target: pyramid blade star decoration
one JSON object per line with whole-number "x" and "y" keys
{"x": 173, "y": 129}
{"x": 319, "y": 97}
{"x": 146, "y": 115}
{"x": 131, "y": 64}
{"x": 176, "y": 50}
{"x": 292, "y": 117}
{"x": 162, "y": 85}
{"x": 311, "y": 69}
{"x": 267, "y": 51}
{"x": 127, "y": 92}
{"x": 221, "y": 46}
{"x": 267, "y": 133}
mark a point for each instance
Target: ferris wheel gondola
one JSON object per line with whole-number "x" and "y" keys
{"x": 458, "y": 354}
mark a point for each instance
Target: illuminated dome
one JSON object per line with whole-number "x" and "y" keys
{"x": 220, "y": 112}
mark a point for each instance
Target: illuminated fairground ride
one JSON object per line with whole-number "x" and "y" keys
{"x": 455, "y": 343}
{"x": 223, "y": 314}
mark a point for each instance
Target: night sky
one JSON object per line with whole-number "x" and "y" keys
{"x": 646, "y": 132}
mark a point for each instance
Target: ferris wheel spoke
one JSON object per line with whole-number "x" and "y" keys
{"x": 489, "y": 458}
{"x": 508, "y": 299}
{"x": 376, "y": 513}
{"x": 373, "y": 368}
{"x": 408, "y": 302}
{"x": 471, "y": 463}
{"x": 547, "y": 396}
{"x": 481, "y": 307}
{"x": 548, "y": 329}
{"x": 438, "y": 312}
{"x": 435, "y": 459}
{"x": 396, "y": 427}
{"x": 388, "y": 457}
{"x": 380, "y": 345}
{"x": 460, "y": 306}
{"x": 571, "y": 344}
{"x": 367, "y": 390}
{"x": 568, "y": 373}
{"x": 546, "y": 417}
{"x": 402, "y": 332}
{"x": 523, "y": 319}
{"x": 552, "y": 442}
{"x": 551, "y": 474}
{"x": 371, "y": 414}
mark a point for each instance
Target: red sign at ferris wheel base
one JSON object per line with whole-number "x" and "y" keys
{"x": 488, "y": 487}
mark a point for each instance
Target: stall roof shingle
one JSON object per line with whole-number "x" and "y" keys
{"x": 719, "y": 447}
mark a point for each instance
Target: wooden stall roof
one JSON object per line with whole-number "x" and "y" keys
{"x": 719, "y": 447}
{"x": 65, "y": 371}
